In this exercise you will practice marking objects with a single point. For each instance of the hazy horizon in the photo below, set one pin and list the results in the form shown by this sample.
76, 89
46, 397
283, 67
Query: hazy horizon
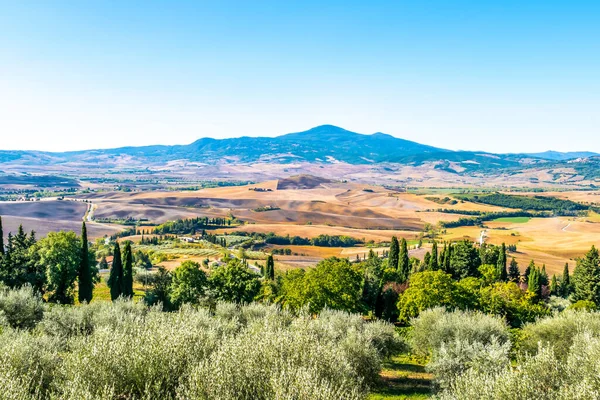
501, 78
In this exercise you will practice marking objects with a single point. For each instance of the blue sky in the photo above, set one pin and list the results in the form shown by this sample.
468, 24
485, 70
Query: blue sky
501, 76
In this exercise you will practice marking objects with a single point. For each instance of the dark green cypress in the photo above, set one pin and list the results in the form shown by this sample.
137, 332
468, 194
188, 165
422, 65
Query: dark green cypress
85, 284
403, 262
447, 258
565, 284
115, 279
514, 274
534, 283
270, 270
433, 260
554, 286
127, 289
502, 274
394, 253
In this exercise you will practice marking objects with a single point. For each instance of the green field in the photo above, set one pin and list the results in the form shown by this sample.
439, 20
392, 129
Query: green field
513, 220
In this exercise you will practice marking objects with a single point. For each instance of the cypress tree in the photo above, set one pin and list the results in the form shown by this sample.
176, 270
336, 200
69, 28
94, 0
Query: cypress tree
565, 284
554, 287
443, 257
127, 282
502, 263
393, 258
270, 270
1, 238
85, 284
544, 280
433, 260
514, 274
115, 279
403, 262
586, 277
447, 258
534, 284
528, 270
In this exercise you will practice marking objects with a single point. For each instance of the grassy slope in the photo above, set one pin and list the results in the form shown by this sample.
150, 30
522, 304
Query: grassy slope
403, 378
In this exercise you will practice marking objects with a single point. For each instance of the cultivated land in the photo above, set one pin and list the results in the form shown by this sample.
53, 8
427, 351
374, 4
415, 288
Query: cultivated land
308, 206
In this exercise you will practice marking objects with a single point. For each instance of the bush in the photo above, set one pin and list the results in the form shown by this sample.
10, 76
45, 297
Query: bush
558, 331
130, 351
453, 358
21, 308
541, 376
436, 328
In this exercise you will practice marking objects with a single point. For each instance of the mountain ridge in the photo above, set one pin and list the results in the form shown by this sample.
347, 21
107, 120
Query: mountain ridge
324, 143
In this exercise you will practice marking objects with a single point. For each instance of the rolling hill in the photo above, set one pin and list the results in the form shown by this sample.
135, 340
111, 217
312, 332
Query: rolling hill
326, 144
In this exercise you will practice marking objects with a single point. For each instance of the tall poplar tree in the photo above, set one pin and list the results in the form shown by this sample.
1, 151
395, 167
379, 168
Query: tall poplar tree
127, 282
86, 282
115, 279
403, 262
393, 257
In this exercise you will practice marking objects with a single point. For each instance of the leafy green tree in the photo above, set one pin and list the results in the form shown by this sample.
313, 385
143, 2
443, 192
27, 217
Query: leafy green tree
426, 289
489, 274
433, 260
565, 283
86, 270
234, 282
188, 285
60, 254
127, 289
394, 255
161, 292
404, 266
586, 277
502, 274
115, 279
506, 299
103, 264
514, 274
464, 260
334, 283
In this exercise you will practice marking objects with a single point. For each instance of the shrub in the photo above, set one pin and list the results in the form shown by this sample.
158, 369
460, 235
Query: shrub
436, 327
454, 358
123, 350
21, 308
558, 331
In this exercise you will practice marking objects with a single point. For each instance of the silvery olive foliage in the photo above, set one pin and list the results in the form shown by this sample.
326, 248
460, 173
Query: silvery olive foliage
124, 350
436, 328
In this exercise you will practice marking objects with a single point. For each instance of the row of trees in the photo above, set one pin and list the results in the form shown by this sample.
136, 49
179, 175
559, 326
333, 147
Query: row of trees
52, 266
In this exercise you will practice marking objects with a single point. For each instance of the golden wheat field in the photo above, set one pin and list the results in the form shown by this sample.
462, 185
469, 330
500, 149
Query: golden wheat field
309, 206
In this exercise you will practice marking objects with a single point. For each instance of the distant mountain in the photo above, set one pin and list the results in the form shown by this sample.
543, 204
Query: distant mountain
324, 144
558, 156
